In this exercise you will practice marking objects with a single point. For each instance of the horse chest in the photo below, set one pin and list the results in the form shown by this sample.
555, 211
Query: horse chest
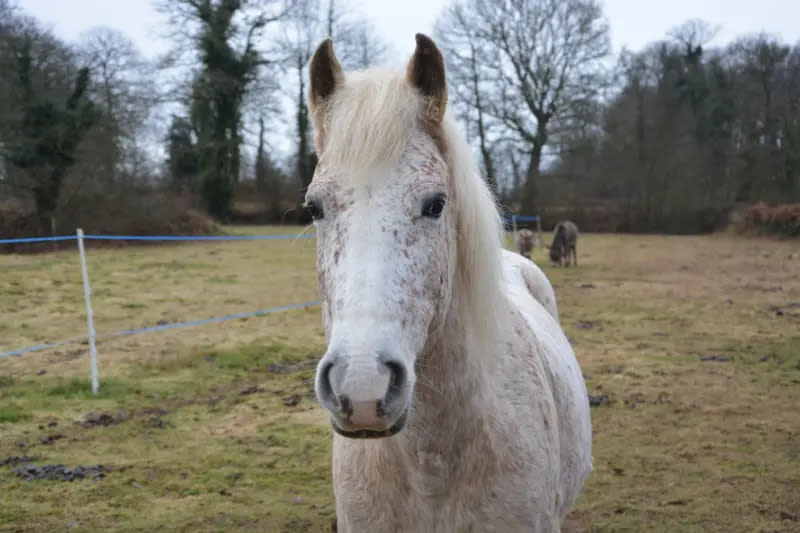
429, 491
462, 509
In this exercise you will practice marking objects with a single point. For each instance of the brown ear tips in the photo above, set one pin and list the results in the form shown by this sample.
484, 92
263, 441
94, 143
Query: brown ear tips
425, 44
426, 72
325, 72
326, 48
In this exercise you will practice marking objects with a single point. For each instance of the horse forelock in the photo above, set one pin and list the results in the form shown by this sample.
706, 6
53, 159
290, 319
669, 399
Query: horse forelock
369, 122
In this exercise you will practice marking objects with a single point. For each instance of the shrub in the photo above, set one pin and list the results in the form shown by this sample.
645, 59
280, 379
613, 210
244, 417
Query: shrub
761, 218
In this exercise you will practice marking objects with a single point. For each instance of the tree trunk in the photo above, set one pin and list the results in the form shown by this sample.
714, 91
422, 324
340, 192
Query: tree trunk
530, 197
331, 17
235, 155
304, 170
45, 197
530, 191
516, 178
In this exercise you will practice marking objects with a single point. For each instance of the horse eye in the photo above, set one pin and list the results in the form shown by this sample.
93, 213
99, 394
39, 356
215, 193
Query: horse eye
314, 210
432, 208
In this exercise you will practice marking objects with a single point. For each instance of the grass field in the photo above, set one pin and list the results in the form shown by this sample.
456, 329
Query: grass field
694, 341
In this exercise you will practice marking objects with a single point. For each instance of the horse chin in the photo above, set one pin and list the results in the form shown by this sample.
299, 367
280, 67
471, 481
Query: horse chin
373, 434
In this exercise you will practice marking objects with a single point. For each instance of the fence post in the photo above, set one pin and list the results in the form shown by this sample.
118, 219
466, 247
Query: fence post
514, 230
87, 293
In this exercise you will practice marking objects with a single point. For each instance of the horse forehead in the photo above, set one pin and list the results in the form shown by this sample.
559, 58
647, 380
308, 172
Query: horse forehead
415, 173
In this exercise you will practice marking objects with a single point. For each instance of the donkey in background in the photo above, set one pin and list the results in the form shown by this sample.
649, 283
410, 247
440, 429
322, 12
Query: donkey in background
526, 241
565, 241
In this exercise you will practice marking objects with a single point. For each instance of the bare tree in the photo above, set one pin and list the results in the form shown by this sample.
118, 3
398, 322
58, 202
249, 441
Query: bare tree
693, 33
125, 91
357, 46
456, 31
544, 60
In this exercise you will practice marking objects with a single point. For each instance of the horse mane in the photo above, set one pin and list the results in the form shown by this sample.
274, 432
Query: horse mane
480, 233
369, 121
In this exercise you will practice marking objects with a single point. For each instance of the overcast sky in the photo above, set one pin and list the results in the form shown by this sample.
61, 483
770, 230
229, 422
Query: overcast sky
633, 22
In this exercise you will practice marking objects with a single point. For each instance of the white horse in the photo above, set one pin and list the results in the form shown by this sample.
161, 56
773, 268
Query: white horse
456, 400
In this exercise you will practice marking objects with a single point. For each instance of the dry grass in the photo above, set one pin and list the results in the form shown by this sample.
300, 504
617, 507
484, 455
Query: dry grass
684, 445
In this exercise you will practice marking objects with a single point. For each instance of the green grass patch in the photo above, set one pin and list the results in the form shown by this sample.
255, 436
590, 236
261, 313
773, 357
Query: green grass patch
10, 414
81, 389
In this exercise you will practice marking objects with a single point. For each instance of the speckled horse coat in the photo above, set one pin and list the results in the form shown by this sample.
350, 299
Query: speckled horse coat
456, 401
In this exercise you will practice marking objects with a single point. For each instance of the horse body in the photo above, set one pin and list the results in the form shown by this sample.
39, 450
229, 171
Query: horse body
461, 464
565, 242
456, 400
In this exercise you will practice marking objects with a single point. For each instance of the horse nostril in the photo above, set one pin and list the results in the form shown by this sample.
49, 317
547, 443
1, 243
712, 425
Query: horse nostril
345, 406
325, 387
397, 378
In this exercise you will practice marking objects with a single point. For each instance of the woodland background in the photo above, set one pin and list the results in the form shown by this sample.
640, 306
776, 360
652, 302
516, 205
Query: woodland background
679, 137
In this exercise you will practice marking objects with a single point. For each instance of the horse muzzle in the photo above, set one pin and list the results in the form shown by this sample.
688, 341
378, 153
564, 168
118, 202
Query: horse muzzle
366, 396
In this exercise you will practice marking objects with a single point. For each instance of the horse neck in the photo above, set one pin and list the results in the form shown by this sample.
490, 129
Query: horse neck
453, 384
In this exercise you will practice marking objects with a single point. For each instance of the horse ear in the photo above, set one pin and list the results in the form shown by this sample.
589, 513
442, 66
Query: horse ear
426, 72
326, 76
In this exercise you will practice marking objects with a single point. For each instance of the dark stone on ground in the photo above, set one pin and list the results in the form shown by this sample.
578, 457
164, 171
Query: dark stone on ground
716, 358
291, 401
50, 439
103, 419
58, 472
275, 369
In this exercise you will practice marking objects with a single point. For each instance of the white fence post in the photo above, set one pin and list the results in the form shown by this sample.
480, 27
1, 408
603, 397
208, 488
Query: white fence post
87, 292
